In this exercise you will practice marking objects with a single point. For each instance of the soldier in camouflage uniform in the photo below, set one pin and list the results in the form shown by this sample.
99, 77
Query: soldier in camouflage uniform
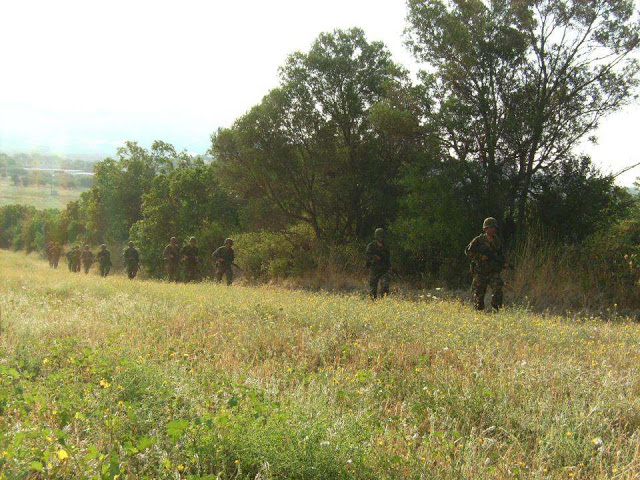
223, 258
378, 260
172, 259
191, 257
56, 251
48, 250
69, 256
487, 262
104, 259
132, 261
75, 259
86, 258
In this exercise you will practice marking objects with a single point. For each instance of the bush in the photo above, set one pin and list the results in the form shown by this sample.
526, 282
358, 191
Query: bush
268, 255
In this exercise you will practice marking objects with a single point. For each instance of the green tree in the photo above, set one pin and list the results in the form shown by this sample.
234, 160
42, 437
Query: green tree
183, 202
114, 202
558, 200
310, 147
519, 84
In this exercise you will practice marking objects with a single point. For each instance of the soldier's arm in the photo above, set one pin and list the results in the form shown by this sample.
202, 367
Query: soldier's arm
474, 250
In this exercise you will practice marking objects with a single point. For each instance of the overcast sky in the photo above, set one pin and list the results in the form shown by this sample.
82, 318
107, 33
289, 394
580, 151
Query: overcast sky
83, 76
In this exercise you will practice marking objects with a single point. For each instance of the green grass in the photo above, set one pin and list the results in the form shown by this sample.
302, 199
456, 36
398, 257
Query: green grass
151, 380
39, 197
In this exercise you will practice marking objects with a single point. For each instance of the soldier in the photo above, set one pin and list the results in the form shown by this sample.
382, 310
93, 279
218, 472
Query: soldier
75, 259
104, 258
69, 256
172, 259
132, 261
86, 257
487, 262
191, 256
56, 251
378, 260
48, 248
223, 258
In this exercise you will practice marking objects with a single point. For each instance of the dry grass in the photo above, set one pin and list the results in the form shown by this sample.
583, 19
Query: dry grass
153, 380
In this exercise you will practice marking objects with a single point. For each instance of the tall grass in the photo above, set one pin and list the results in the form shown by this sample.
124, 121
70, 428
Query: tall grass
109, 377
564, 278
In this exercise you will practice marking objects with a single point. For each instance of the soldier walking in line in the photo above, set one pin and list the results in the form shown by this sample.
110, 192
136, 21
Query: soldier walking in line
86, 258
172, 259
378, 260
75, 259
69, 256
487, 262
48, 250
223, 258
56, 251
104, 259
191, 256
132, 261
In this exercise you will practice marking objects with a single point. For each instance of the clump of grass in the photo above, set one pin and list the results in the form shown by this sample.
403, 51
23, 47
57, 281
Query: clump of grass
153, 380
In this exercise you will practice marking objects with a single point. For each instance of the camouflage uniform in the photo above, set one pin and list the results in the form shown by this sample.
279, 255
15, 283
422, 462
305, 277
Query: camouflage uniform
86, 258
75, 259
172, 261
191, 255
378, 260
69, 256
223, 260
486, 272
48, 250
132, 261
104, 259
56, 251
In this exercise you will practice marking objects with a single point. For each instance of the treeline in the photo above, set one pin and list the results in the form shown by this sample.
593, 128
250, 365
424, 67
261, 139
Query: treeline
349, 141
14, 168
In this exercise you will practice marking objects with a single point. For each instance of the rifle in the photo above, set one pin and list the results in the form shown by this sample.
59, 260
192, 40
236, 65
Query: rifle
498, 259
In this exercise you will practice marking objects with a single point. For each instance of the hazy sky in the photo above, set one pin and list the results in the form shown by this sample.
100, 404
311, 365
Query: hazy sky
82, 76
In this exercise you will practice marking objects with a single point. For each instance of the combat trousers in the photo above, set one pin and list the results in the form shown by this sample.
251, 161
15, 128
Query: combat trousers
226, 272
479, 290
172, 271
376, 277
104, 270
132, 271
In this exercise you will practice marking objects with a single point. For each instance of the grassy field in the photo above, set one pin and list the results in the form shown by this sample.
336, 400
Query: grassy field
130, 379
39, 197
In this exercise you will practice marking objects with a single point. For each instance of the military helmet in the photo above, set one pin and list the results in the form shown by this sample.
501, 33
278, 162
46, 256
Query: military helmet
173, 239
489, 222
229, 241
379, 234
131, 244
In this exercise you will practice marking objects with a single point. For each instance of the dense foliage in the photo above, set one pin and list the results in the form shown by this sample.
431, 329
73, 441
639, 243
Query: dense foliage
348, 142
